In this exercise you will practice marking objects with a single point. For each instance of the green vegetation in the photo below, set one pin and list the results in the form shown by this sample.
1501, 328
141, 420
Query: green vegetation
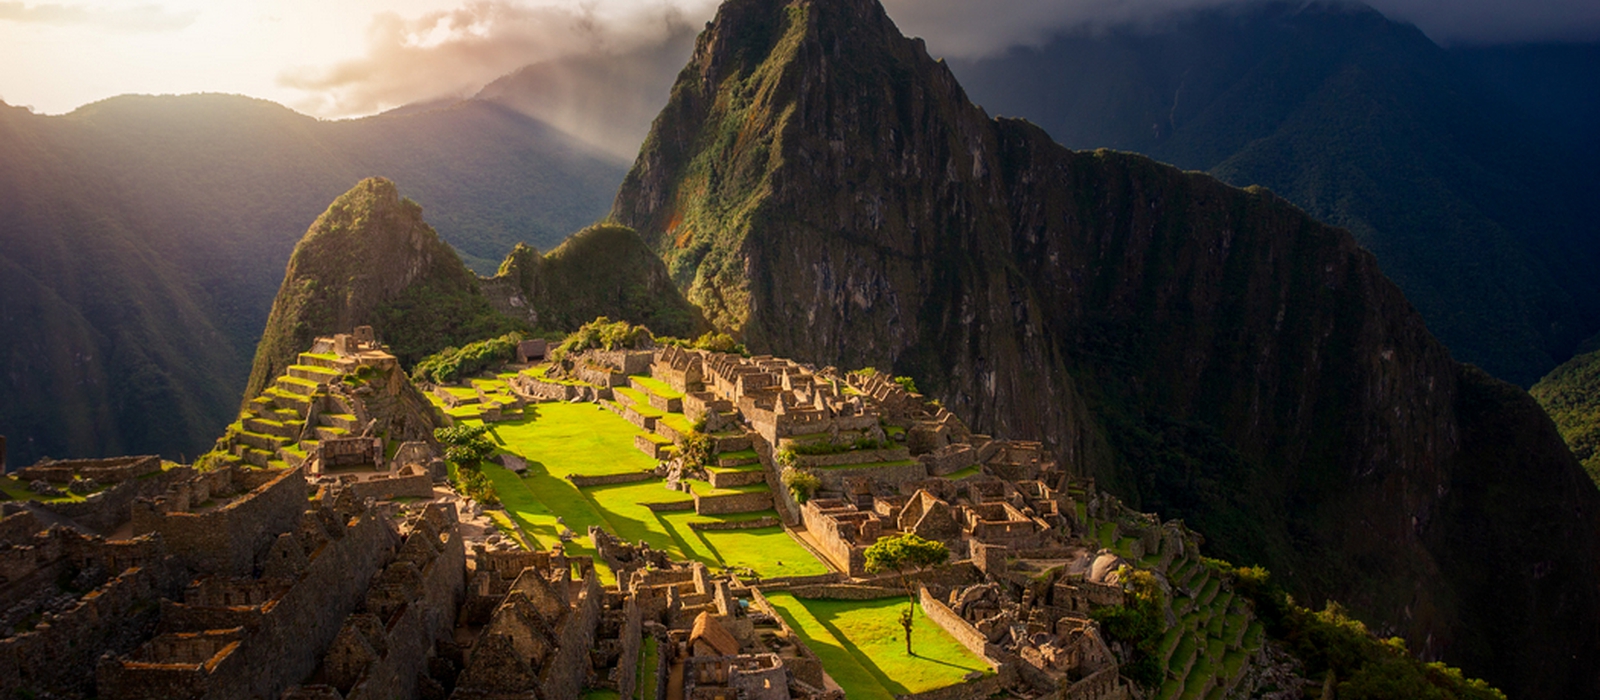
698, 449
558, 439
649, 659
714, 341
451, 364
604, 334
856, 640
603, 270
801, 483
1334, 645
465, 449
1138, 623
1571, 395
903, 554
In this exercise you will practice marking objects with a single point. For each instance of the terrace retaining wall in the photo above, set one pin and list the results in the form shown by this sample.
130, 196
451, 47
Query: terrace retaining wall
732, 503
608, 479
892, 454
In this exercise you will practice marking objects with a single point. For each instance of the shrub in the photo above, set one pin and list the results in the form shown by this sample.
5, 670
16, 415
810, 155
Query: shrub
908, 384
465, 446
451, 364
697, 449
802, 483
784, 458
603, 333
1138, 623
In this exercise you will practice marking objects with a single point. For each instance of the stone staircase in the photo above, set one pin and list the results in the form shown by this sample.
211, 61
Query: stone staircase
269, 430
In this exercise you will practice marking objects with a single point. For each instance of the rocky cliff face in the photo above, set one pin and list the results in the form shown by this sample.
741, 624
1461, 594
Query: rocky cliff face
822, 186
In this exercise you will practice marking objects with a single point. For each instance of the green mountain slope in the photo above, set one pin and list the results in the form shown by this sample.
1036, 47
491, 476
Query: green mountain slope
1470, 206
371, 259
162, 224
603, 270
822, 186
1571, 395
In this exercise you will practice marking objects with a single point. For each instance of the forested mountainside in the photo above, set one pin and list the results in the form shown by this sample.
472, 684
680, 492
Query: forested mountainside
822, 186
371, 259
1571, 395
144, 238
1466, 172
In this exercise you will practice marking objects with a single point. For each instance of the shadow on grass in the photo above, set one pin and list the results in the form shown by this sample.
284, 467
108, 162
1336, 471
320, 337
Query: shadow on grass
861, 657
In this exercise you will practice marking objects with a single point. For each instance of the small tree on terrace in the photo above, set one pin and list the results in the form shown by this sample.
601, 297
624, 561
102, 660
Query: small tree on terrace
904, 554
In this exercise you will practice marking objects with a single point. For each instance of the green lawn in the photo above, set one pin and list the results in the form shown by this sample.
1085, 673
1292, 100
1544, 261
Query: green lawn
573, 438
565, 439
862, 646
960, 474
657, 387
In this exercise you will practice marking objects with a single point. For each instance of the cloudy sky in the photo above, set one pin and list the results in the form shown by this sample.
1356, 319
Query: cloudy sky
338, 58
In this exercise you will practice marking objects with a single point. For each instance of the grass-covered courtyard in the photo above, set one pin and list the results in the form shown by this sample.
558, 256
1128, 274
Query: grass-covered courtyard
557, 439
862, 646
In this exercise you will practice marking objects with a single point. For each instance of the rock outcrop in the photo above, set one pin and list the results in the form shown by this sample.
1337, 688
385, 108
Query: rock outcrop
822, 186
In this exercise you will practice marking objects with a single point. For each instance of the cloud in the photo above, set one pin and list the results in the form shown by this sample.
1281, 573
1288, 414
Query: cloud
143, 18
970, 29
454, 52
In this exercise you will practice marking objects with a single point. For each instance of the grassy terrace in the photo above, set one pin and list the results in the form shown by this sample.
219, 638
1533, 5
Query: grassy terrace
656, 386
15, 489
861, 645
558, 439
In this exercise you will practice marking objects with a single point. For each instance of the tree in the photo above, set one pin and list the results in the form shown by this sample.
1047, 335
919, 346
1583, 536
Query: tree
802, 483
904, 554
465, 445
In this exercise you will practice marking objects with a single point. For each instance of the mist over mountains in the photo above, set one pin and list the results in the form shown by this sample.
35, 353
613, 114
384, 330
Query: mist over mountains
145, 237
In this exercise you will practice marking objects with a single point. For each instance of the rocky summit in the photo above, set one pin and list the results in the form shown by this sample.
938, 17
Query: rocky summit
821, 185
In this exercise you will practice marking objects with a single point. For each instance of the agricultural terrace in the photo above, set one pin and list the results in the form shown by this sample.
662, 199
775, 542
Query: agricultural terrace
560, 439
862, 646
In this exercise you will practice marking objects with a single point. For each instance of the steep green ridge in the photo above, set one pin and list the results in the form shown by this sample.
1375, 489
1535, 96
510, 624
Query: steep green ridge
1473, 207
158, 228
823, 187
1571, 395
371, 259
603, 270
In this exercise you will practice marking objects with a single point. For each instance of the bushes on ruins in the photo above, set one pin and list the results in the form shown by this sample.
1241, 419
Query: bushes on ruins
1333, 644
465, 449
801, 482
451, 364
465, 445
784, 458
1139, 624
698, 450
711, 340
908, 384
604, 334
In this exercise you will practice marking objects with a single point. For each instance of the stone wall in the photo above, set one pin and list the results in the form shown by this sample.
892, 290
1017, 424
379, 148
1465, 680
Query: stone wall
625, 478
846, 591
834, 479
765, 521
950, 459
567, 670
732, 503
632, 638
107, 510
415, 486
228, 539
964, 633
106, 471
428, 613
60, 653
893, 454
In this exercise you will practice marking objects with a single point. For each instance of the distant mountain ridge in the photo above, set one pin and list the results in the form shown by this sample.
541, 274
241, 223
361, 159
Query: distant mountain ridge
144, 238
822, 186
1471, 193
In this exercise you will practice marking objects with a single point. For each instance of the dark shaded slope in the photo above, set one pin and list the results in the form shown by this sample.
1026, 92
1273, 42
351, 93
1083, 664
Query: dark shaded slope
820, 184
1469, 205
164, 222
1571, 395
